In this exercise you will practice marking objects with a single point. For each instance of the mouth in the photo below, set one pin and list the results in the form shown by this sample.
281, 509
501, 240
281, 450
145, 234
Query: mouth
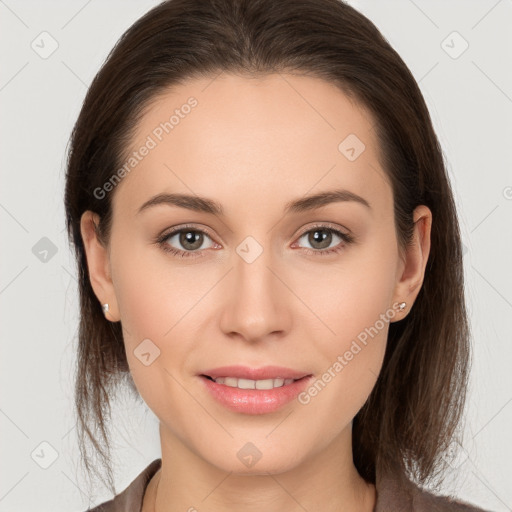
262, 384
254, 396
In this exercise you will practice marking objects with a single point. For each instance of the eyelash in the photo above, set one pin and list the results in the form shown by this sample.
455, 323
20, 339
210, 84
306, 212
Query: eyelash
346, 238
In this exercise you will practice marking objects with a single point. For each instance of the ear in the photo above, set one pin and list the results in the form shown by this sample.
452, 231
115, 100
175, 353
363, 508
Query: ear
98, 264
411, 268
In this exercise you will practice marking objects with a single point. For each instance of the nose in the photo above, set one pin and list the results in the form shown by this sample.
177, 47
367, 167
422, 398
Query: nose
256, 302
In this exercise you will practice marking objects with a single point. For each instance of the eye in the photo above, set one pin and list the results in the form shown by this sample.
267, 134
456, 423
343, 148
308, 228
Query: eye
189, 240
321, 237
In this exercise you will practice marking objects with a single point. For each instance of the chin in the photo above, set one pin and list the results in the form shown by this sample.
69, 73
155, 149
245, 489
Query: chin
248, 461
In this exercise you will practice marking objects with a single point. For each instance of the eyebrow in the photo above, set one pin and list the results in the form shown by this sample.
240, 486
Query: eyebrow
205, 205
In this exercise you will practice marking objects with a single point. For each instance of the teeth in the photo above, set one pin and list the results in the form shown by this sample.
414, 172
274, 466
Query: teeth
253, 384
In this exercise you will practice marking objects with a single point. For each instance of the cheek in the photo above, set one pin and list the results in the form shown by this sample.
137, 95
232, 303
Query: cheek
160, 305
152, 313
354, 304
139, 297
152, 293
350, 296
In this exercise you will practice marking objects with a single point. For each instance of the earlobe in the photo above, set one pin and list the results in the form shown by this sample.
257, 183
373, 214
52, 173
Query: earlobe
98, 264
415, 260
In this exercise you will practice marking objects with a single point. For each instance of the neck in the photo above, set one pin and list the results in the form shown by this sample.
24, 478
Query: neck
326, 481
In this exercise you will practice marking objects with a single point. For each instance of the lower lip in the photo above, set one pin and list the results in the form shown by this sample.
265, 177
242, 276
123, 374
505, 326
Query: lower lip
255, 401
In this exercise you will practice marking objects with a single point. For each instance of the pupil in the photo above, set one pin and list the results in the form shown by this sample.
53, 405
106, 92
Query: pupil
323, 239
191, 239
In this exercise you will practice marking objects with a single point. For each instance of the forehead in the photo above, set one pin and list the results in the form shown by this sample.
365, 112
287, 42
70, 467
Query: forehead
277, 136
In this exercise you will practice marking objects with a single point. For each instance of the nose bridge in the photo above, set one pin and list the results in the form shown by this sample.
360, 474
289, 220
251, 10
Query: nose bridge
251, 270
254, 305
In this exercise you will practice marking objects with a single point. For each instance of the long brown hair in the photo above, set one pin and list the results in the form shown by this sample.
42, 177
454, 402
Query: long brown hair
417, 404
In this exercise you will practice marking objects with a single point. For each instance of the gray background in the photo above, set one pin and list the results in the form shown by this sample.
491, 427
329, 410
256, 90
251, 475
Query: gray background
469, 95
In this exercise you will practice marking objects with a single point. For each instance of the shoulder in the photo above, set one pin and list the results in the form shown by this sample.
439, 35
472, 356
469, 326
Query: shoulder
427, 501
130, 500
399, 495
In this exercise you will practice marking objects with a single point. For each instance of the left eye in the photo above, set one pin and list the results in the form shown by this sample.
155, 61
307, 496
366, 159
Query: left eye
320, 239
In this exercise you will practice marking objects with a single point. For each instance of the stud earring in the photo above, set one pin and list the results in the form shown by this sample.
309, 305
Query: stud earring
105, 308
401, 306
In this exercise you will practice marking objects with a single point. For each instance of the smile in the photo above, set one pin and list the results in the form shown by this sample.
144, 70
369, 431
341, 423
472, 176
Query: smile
234, 382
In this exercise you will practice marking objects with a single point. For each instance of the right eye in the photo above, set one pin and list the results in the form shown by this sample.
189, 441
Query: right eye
190, 239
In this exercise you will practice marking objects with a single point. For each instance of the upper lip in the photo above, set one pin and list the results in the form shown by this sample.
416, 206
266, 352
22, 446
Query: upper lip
245, 372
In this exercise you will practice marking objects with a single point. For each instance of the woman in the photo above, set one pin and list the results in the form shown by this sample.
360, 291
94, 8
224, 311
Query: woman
269, 257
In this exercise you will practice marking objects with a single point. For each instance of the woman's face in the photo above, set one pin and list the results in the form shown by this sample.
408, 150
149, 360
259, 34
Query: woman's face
259, 283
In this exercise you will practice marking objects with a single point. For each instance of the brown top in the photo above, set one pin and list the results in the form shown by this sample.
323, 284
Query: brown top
391, 497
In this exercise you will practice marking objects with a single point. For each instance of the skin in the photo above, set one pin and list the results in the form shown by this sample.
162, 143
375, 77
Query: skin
253, 145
